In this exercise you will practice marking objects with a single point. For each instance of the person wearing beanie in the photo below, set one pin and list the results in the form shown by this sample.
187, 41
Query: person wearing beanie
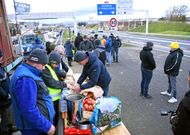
38, 56
147, 66
115, 48
171, 69
80, 56
96, 41
68, 51
86, 44
77, 41
32, 104
53, 82
94, 69
108, 49
38, 44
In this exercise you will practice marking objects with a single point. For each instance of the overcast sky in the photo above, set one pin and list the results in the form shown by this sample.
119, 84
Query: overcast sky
156, 8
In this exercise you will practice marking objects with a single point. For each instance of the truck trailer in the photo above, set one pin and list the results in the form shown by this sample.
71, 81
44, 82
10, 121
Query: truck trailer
11, 58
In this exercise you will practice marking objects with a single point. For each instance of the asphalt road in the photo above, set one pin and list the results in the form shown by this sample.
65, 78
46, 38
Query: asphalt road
140, 38
142, 116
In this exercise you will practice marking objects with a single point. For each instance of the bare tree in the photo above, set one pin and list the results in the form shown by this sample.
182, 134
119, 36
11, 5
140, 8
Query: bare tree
177, 13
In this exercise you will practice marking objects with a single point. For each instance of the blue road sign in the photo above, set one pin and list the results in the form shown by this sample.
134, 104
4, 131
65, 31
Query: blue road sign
106, 9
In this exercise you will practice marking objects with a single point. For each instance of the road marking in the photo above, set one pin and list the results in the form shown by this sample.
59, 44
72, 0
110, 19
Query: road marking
158, 40
166, 49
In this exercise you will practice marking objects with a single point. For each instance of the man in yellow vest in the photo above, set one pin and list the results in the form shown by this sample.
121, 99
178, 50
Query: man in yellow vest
52, 81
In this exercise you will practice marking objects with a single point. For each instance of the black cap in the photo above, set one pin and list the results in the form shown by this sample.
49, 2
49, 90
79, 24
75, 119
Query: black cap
80, 56
149, 44
38, 56
54, 57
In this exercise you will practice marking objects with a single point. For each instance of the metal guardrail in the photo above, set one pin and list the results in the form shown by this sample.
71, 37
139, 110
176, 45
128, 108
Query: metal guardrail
12, 65
156, 47
158, 34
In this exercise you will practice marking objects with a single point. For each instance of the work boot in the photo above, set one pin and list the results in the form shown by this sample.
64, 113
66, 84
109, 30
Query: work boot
148, 96
141, 94
70, 65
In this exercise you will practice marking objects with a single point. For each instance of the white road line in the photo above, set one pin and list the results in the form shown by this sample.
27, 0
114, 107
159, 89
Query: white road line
158, 40
157, 47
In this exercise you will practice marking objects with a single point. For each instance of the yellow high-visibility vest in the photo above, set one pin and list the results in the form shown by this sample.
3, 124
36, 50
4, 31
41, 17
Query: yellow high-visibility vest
54, 93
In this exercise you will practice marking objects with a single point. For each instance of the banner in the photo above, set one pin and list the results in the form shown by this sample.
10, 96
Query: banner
21, 8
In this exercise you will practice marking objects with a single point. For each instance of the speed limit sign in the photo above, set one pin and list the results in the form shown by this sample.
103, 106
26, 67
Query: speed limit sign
113, 22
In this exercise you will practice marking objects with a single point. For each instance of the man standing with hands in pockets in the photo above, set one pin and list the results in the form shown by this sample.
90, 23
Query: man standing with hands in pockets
171, 68
147, 66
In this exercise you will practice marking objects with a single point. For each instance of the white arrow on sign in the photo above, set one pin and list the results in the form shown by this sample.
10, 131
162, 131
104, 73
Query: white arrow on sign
100, 12
112, 12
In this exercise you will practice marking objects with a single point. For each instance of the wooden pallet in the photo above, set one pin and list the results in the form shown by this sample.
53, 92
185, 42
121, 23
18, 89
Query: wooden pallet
119, 130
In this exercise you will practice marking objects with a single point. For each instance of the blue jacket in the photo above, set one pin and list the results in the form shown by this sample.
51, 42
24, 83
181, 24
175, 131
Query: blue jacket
108, 45
96, 72
38, 44
33, 106
68, 49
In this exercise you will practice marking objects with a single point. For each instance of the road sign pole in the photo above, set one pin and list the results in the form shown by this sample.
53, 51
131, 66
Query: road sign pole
75, 26
147, 22
16, 17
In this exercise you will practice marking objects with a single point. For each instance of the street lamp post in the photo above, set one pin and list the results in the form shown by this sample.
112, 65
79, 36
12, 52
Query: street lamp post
147, 18
16, 17
147, 21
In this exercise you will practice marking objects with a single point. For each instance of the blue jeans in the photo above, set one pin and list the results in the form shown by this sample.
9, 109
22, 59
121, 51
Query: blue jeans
172, 85
115, 55
146, 78
106, 90
108, 57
